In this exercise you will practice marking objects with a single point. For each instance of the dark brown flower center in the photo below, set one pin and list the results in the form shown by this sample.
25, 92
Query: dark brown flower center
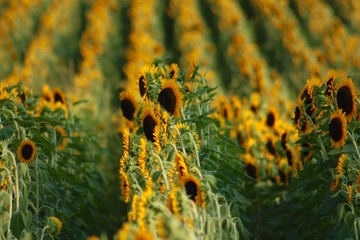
167, 100
27, 151
270, 119
270, 147
149, 125
191, 190
251, 170
58, 98
344, 100
142, 85
128, 108
289, 157
335, 129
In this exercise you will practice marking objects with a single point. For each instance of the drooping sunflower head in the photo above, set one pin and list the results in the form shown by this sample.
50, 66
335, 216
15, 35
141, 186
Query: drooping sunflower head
337, 129
128, 105
26, 151
54, 225
346, 97
149, 120
181, 165
170, 97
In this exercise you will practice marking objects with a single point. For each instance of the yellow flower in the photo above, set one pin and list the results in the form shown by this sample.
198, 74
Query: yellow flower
340, 165
26, 151
337, 129
170, 97
345, 97
128, 105
55, 225
149, 122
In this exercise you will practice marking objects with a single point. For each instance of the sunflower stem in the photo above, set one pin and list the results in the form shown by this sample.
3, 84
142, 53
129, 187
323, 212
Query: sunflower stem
355, 145
323, 150
195, 147
17, 190
10, 204
181, 141
37, 190
43, 232
163, 171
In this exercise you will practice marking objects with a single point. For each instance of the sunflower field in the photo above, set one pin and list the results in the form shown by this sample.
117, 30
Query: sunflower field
193, 119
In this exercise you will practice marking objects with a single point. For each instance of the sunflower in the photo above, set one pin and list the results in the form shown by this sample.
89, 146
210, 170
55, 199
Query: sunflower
271, 117
345, 97
173, 70
157, 138
55, 225
340, 165
181, 165
149, 122
143, 82
26, 151
126, 140
337, 129
128, 105
192, 188
4, 184
330, 83
170, 97
142, 156
61, 135
334, 185
46, 93
59, 96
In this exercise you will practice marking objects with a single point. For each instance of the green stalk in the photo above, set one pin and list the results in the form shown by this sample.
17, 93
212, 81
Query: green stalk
163, 171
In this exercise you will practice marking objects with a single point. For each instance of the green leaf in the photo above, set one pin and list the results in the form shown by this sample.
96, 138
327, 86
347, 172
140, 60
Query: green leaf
23, 204
340, 211
17, 225
349, 219
156, 175
6, 133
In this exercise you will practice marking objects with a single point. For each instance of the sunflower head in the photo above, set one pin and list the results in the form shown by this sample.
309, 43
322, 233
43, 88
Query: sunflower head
26, 151
149, 121
337, 129
47, 94
173, 71
143, 85
55, 225
192, 188
271, 117
170, 97
181, 165
128, 105
346, 96
59, 96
